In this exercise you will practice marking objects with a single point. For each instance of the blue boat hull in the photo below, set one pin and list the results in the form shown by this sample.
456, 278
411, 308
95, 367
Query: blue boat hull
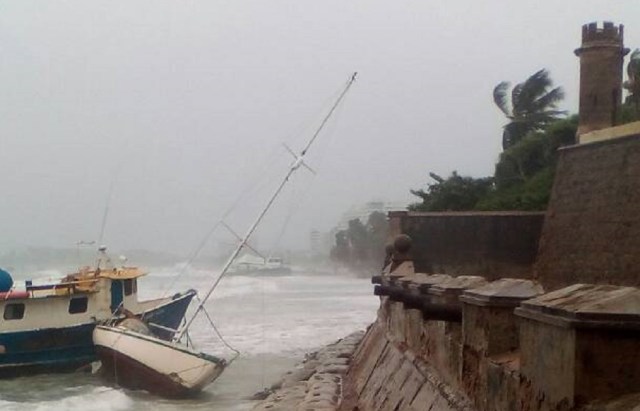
70, 348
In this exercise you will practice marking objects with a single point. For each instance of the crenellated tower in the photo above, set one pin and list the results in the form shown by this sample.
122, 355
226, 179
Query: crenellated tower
601, 63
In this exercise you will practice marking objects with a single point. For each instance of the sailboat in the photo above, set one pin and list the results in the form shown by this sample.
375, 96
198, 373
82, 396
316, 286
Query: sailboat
135, 358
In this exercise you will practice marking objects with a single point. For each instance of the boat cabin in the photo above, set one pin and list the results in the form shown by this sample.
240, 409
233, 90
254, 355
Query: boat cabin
78, 298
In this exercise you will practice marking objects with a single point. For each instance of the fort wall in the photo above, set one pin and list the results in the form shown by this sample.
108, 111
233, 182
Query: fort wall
592, 230
492, 244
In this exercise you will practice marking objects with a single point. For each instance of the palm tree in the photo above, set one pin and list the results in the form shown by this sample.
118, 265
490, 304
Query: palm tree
533, 106
633, 83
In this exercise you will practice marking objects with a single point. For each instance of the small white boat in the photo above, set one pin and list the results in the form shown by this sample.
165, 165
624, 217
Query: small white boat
249, 264
164, 368
134, 358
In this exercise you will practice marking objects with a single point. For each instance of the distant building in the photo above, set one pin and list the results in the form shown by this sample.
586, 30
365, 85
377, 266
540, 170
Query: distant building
314, 241
362, 212
320, 242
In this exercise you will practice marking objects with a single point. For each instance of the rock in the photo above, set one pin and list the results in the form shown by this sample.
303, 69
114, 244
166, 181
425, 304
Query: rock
261, 395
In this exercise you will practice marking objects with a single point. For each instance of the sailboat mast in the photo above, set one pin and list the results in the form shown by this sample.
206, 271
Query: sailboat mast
299, 160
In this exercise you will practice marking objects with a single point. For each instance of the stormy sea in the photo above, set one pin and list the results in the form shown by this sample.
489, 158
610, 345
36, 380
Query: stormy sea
273, 321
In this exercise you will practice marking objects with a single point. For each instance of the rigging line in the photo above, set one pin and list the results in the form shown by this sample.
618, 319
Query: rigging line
298, 201
248, 189
326, 118
239, 238
290, 213
263, 328
116, 174
226, 344
192, 257
299, 160
308, 127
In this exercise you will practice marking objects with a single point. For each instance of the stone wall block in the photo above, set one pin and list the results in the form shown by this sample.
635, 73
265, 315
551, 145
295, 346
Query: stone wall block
490, 329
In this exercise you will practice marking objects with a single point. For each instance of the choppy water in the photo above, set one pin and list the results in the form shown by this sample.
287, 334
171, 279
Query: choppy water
273, 321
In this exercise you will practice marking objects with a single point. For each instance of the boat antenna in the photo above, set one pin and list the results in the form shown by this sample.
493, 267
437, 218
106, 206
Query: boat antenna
298, 161
109, 198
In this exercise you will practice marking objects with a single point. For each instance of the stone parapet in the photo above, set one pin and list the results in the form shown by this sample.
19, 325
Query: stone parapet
491, 341
511, 348
580, 344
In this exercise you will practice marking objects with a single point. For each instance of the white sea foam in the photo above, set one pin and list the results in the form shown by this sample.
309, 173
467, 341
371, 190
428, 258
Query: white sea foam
292, 314
96, 399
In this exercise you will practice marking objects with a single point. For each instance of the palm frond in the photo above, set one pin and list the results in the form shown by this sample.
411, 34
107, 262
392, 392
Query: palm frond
515, 98
533, 88
633, 72
500, 97
548, 100
436, 177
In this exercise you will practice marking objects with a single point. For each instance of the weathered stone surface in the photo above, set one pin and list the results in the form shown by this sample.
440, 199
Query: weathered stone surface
625, 403
399, 380
601, 59
449, 291
592, 230
490, 329
586, 306
504, 292
579, 344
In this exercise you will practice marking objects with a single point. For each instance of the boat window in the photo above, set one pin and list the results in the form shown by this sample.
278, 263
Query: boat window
128, 287
13, 311
78, 305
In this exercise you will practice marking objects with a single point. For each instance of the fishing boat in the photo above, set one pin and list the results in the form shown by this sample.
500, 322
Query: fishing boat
134, 358
47, 326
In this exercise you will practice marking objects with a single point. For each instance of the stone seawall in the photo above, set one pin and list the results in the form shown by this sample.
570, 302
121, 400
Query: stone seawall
443, 343
386, 375
316, 384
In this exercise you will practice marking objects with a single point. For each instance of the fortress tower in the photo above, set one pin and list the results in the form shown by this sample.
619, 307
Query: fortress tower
601, 60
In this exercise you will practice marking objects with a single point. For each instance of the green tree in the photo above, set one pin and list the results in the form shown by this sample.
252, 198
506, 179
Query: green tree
524, 173
340, 251
532, 106
632, 85
358, 239
361, 246
455, 193
534, 153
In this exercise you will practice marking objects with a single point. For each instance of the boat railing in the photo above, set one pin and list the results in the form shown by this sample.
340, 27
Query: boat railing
162, 327
64, 287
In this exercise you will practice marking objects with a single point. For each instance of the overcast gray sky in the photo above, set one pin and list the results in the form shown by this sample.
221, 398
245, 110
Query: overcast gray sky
190, 101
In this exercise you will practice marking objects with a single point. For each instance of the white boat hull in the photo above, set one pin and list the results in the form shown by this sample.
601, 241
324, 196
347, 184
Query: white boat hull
138, 361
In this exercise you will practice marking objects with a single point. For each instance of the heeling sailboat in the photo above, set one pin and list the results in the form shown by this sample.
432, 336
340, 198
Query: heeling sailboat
133, 357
